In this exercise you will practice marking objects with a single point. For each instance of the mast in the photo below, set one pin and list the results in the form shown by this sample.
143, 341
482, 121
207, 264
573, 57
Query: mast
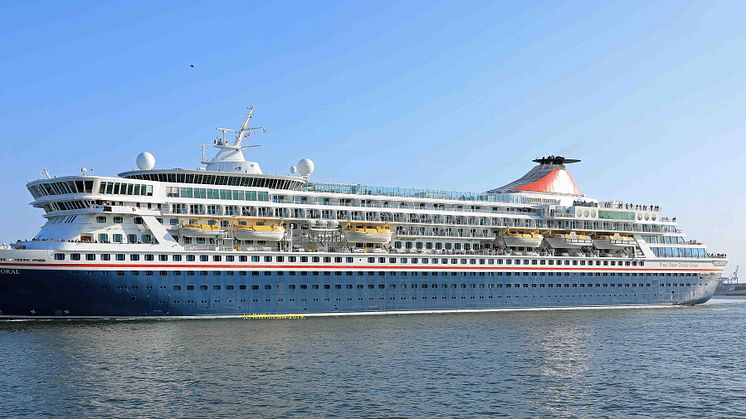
245, 126
230, 155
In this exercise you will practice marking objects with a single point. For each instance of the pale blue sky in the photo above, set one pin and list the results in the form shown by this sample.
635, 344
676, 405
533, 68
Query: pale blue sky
450, 95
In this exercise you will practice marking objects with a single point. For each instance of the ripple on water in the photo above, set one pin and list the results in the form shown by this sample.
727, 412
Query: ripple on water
683, 362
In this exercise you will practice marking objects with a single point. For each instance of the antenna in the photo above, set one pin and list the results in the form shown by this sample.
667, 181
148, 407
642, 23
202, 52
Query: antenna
45, 173
204, 153
223, 131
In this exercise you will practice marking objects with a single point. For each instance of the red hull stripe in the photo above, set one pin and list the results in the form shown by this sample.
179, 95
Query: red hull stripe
230, 265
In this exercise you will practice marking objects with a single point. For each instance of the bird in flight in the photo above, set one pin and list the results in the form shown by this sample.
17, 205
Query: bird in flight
192, 66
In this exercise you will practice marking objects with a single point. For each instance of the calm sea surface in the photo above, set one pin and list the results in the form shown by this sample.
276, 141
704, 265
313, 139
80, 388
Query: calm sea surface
675, 362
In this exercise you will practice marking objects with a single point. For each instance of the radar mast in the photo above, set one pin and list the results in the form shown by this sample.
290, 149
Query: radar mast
230, 155
246, 130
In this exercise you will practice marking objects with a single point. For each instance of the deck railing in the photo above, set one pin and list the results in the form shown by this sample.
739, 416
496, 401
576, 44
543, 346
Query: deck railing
359, 189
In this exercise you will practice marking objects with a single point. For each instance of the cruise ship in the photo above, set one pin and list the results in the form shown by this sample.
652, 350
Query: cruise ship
227, 240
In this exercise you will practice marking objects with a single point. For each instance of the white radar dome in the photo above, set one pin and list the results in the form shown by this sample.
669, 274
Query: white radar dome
145, 161
305, 167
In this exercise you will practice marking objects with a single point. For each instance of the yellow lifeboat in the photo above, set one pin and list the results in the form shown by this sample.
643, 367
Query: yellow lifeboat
613, 242
198, 230
272, 232
569, 240
367, 233
512, 239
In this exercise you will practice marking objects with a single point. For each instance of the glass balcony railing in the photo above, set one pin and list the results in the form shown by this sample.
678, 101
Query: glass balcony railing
359, 189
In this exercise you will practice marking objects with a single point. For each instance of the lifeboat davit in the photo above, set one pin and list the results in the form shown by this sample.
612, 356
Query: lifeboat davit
367, 234
613, 242
522, 239
259, 232
321, 226
569, 241
198, 230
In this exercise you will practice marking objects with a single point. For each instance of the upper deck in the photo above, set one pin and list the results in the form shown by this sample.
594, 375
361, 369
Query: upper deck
360, 189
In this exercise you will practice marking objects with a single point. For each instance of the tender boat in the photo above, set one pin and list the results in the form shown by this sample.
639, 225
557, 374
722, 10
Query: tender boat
259, 232
367, 233
198, 230
613, 242
522, 239
570, 240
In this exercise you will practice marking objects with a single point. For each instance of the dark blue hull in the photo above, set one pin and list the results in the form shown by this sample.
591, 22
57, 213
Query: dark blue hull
80, 293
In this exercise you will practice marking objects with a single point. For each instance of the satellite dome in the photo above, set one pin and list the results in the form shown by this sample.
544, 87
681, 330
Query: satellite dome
145, 161
305, 167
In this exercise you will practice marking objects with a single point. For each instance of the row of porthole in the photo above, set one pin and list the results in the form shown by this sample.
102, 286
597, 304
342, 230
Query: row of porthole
647, 216
593, 214
414, 286
577, 296
586, 213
